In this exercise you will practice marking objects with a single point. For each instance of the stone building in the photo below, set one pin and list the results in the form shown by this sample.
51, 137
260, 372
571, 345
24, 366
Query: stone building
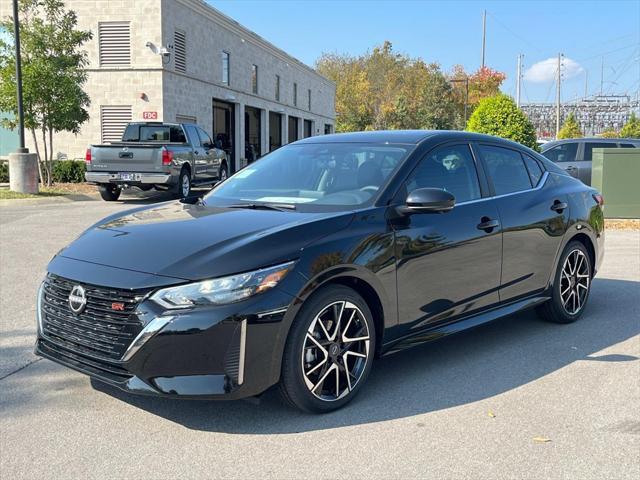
184, 61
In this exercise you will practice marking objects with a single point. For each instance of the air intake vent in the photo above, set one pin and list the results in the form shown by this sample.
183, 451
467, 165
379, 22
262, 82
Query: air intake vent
115, 43
180, 49
113, 120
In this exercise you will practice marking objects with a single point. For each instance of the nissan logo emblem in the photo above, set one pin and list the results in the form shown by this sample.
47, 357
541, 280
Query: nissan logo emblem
77, 299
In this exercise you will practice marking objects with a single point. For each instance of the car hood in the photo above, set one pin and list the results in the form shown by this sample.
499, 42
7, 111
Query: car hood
194, 242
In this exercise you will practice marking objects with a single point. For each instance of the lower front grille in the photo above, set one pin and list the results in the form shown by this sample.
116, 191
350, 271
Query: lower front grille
102, 331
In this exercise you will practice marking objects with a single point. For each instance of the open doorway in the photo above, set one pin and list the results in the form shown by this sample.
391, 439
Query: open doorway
223, 130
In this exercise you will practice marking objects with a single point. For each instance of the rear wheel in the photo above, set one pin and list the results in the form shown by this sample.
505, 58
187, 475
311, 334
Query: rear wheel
223, 173
183, 188
329, 351
571, 286
109, 193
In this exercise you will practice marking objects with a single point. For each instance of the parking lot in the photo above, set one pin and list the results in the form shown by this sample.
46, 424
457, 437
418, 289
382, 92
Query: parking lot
518, 398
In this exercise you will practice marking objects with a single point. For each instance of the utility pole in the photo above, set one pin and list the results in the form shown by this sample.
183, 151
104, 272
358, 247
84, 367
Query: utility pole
602, 77
586, 83
558, 95
484, 34
16, 32
519, 79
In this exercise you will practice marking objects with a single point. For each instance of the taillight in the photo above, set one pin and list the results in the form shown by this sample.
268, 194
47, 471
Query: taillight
598, 198
87, 156
167, 156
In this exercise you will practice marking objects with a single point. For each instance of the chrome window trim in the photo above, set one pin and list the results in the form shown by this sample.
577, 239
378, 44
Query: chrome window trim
541, 184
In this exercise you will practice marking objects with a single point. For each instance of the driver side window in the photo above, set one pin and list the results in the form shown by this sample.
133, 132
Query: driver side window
450, 168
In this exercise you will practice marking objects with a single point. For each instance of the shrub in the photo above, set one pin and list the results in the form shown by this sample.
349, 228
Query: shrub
68, 171
500, 116
4, 172
631, 129
610, 133
570, 128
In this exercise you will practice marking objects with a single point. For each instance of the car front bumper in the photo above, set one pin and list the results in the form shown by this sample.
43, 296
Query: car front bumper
137, 178
223, 352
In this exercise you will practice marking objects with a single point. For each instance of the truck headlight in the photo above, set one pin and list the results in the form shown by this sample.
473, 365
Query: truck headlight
220, 291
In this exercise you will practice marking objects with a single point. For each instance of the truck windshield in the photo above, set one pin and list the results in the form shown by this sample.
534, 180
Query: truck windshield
340, 175
154, 133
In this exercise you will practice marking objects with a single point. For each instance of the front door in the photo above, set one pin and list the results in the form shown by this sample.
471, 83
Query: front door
199, 153
448, 264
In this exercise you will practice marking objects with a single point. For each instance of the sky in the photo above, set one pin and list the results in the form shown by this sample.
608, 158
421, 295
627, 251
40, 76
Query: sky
450, 33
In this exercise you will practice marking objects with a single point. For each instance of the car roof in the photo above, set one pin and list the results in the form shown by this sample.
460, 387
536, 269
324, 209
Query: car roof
404, 137
553, 143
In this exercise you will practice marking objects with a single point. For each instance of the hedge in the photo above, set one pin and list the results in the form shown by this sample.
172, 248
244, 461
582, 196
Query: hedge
68, 171
4, 172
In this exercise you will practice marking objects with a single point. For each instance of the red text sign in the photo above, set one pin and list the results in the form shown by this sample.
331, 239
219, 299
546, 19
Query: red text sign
150, 115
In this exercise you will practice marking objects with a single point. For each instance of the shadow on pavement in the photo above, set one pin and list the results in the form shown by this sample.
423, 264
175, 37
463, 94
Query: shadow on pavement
462, 369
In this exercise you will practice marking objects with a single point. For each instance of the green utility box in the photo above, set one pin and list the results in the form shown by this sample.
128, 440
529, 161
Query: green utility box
616, 173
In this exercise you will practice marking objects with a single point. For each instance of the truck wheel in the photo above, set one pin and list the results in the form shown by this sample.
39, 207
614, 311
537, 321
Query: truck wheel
183, 188
109, 193
222, 176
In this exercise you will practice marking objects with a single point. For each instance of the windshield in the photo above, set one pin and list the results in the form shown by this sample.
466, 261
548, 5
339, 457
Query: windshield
343, 175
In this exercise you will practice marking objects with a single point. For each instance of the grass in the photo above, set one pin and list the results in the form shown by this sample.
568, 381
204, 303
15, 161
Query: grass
56, 190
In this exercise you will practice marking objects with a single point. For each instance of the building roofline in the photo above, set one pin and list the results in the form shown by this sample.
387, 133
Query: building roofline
202, 7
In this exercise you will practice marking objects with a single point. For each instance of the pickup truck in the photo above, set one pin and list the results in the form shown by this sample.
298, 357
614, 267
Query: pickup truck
165, 156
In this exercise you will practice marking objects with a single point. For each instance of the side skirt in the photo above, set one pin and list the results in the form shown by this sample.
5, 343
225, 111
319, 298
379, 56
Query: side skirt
440, 331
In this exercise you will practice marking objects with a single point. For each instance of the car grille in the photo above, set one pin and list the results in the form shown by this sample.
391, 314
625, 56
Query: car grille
99, 333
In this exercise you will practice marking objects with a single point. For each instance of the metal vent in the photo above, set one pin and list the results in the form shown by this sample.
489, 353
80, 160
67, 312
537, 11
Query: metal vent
113, 120
115, 43
180, 50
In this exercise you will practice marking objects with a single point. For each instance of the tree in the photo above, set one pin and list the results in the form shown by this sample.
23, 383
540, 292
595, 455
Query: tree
631, 129
483, 83
53, 75
570, 128
610, 133
383, 89
499, 116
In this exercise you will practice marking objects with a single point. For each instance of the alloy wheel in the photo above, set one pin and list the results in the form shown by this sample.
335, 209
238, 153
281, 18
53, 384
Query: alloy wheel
335, 351
575, 281
186, 185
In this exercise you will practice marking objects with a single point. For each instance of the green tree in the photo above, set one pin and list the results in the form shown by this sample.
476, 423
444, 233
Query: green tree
53, 74
483, 83
499, 116
570, 128
631, 129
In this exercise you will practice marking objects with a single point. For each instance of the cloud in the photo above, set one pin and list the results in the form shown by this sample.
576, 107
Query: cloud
546, 70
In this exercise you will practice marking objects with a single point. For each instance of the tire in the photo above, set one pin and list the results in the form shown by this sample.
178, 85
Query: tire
109, 193
223, 174
571, 286
183, 187
310, 366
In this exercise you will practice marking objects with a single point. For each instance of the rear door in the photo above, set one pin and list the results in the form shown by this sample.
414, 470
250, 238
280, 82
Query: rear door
200, 162
534, 213
448, 264
584, 167
567, 155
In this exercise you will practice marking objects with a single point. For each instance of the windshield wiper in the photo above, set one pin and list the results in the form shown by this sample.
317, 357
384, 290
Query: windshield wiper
282, 207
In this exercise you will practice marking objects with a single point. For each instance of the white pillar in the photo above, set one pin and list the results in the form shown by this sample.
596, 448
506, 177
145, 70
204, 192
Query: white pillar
285, 128
264, 131
239, 134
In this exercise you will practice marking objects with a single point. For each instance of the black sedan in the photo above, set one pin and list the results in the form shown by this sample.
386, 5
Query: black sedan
307, 264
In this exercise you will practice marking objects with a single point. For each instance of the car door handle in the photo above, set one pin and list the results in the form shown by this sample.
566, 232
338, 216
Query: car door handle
487, 224
571, 168
196, 152
559, 206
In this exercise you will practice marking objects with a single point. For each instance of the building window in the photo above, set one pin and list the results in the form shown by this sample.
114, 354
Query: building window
308, 128
114, 43
254, 79
225, 68
295, 94
328, 128
309, 99
113, 121
180, 51
277, 88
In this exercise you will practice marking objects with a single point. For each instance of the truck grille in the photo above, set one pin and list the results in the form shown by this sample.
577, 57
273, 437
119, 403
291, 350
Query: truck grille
99, 332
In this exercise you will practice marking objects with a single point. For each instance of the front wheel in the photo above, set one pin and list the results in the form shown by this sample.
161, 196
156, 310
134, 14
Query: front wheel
329, 351
183, 188
223, 174
571, 286
109, 193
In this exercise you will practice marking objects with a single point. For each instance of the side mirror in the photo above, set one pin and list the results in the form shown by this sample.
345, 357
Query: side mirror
428, 200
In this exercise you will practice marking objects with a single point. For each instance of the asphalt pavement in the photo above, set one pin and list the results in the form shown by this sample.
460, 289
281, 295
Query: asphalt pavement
518, 398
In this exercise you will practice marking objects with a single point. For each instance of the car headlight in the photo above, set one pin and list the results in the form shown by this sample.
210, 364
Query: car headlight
220, 291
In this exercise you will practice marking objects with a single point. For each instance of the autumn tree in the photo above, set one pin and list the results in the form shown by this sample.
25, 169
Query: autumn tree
631, 129
383, 89
500, 116
570, 128
53, 75
483, 83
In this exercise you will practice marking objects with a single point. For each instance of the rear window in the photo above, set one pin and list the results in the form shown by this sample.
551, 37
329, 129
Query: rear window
535, 172
506, 169
589, 146
154, 133
627, 145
